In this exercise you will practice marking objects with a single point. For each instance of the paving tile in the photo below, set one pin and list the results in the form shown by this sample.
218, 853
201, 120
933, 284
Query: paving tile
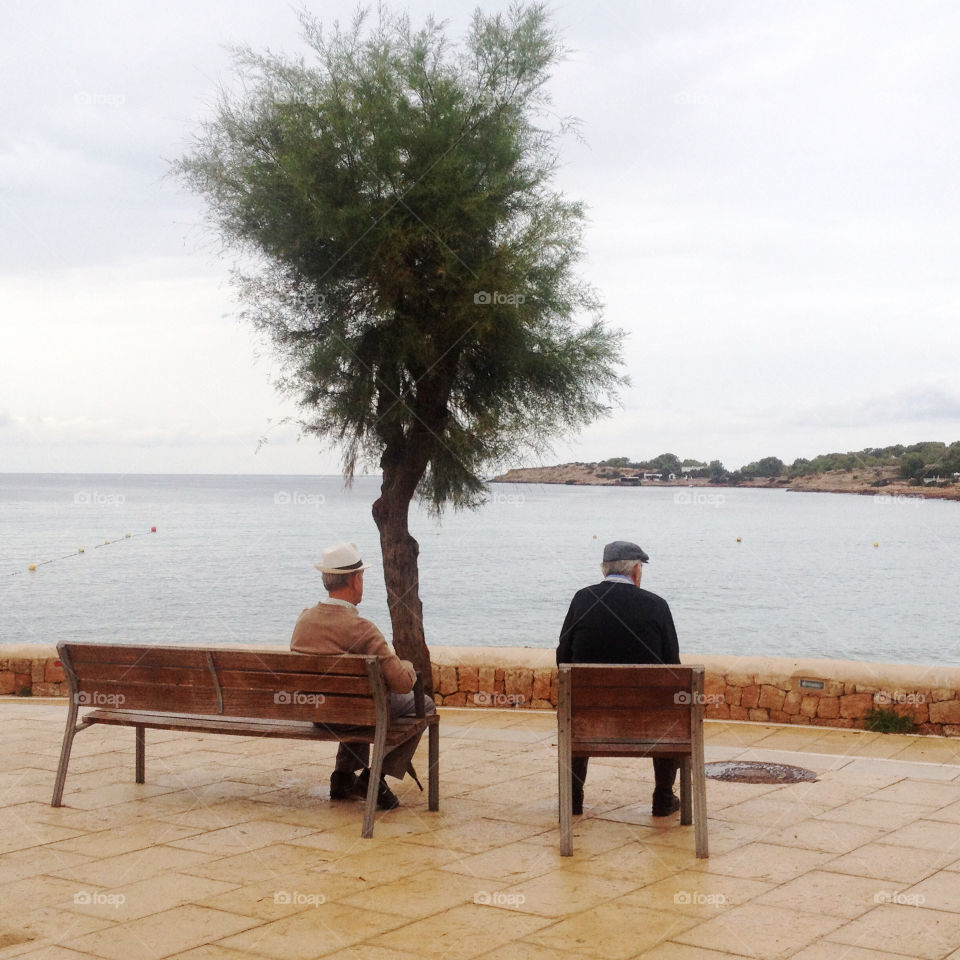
284, 895
831, 894
313, 933
885, 861
770, 933
463, 932
649, 861
22, 834
30, 863
920, 791
683, 951
478, 835
778, 812
364, 951
44, 927
915, 932
130, 867
212, 951
376, 866
240, 837
826, 950
613, 931
695, 894
878, 813
831, 836
510, 863
265, 863
132, 901
928, 835
764, 861
939, 892
162, 934
117, 840
552, 894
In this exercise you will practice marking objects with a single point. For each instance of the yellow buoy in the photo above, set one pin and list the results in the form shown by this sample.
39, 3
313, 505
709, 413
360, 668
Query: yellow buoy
106, 543
738, 539
80, 550
875, 543
32, 566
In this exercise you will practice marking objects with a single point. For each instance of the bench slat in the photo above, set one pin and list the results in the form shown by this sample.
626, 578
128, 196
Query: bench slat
595, 675
299, 705
259, 660
292, 680
171, 697
143, 656
136, 673
672, 698
598, 724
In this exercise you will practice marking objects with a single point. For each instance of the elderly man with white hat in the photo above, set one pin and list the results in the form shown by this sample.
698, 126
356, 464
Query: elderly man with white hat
335, 626
616, 621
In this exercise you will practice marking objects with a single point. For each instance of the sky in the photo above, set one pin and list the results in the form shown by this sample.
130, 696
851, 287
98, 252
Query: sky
774, 220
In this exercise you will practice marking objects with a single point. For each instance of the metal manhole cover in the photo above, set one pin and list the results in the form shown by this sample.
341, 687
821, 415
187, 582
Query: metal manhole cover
751, 771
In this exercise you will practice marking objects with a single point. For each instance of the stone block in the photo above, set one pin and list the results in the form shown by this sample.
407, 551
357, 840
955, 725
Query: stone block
951, 730
543, 705
943, 693
49, 689
714, 686
797, 718
717, 711
554, 688
435, 676
468, 679
22, 680
945, 711
53, 672
37, 670
731, 695
498, 680
778, 716
739, 713
855, 705
808, 705
828, 708
778, 681
917, 712
791, 703
8, 682
21, 665
541, 683
750, 696
740, 679
456, 700
864, 688
929, 730
771, 698
518, 683
486, 680
448, 681
758, 714
843, 722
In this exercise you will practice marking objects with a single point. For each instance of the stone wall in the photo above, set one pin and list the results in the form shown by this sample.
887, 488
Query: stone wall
825, 693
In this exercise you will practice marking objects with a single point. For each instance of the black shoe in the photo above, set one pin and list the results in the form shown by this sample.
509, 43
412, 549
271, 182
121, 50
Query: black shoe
386, 798
344, 785
663, 806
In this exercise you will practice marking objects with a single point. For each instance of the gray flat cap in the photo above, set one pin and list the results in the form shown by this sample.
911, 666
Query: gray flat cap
623, 550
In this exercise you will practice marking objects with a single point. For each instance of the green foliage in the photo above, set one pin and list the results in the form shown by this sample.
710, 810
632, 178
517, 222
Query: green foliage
767, 467
912, 465
717, 471
417, 274
887, 721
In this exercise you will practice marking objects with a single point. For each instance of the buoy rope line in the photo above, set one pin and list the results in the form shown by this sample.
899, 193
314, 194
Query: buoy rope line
81, 550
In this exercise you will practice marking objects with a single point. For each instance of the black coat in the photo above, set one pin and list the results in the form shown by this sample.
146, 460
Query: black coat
616, 622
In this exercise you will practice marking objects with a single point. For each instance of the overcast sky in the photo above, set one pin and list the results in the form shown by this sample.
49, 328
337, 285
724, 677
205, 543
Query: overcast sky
774, 209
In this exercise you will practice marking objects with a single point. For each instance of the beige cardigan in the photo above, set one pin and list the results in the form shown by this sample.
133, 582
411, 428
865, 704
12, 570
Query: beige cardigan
330, 628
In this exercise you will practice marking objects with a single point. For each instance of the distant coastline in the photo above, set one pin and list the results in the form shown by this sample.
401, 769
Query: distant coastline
877, 481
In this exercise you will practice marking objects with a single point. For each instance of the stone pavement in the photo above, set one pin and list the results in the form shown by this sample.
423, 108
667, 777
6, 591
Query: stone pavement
232, 849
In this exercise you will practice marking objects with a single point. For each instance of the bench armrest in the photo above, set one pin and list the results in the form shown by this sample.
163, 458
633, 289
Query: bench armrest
418, 702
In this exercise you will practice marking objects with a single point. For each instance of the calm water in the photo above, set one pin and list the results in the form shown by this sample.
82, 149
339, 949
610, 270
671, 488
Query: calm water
232, 562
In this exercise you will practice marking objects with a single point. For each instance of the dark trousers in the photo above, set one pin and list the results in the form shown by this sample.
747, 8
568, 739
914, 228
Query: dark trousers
356, 756
664, 774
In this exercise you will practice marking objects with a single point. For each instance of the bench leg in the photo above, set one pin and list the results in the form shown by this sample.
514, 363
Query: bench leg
141, 754
700, 809
686, 811
67, 746
373, 788
433, 787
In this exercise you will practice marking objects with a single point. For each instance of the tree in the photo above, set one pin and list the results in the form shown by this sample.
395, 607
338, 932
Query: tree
416, 269
718, 472
767, 467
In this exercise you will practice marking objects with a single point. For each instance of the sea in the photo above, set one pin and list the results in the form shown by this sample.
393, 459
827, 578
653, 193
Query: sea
745, 571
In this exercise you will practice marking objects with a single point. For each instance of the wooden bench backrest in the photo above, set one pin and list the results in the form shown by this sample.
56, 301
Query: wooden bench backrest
270, 685
655, 704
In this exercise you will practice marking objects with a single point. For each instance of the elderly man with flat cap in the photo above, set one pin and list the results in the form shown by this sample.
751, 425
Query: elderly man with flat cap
615, 621
335, 626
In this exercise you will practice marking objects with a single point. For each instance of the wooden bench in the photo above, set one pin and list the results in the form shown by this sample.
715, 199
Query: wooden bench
612, 710
248, 693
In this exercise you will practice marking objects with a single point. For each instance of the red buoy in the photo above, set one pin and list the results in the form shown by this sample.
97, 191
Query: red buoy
153, 529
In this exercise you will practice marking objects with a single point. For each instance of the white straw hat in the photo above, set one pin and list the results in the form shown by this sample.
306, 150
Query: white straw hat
343, 558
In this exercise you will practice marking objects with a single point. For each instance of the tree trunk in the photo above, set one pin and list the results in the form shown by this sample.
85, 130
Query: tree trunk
400, 571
